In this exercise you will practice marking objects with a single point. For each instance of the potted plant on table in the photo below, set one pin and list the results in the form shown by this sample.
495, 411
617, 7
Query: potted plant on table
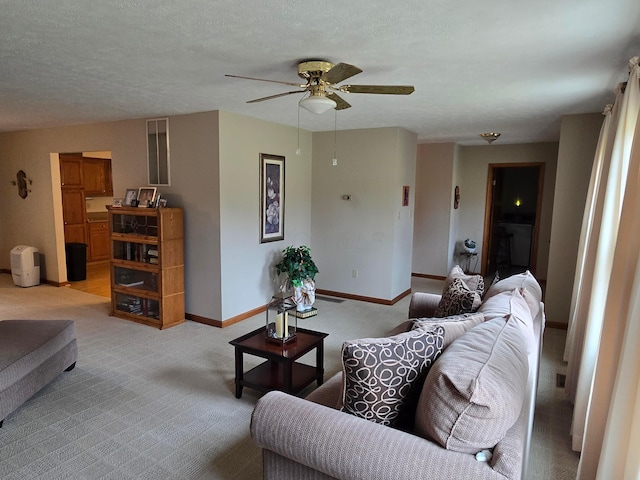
301, 271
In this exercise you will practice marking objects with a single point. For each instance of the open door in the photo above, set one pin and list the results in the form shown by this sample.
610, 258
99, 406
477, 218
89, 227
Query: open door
512, 218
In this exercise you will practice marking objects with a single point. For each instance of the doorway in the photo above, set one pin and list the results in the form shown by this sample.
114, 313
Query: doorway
512, 218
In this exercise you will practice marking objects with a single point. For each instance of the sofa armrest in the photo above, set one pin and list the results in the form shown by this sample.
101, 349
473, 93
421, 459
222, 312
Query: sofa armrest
350, 448
423, 304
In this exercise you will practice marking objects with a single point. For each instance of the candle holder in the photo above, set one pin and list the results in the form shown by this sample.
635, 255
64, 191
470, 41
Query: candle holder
281, 321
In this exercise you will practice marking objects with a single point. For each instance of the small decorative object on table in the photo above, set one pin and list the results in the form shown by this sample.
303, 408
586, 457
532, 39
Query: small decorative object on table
281, 323
301, 271
469, 246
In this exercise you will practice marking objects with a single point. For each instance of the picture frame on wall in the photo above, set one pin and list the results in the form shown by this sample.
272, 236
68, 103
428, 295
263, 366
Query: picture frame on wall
146, 196
405, 195
130, 195
271, 197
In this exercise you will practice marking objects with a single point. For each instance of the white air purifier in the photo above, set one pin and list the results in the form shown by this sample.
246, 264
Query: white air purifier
25, 266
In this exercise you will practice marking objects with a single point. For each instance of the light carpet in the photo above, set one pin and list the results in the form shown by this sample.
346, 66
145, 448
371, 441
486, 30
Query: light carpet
144, 403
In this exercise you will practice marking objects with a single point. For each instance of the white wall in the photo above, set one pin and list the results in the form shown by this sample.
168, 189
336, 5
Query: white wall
247, 273
435, 181
361, 234
36, 220
578, 141
195, 179
474, 168
439, 228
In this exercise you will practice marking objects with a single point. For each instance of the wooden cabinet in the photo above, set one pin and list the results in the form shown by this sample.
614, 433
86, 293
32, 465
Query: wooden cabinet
74, 215
99, 245
96, 173
71, 171
147, 265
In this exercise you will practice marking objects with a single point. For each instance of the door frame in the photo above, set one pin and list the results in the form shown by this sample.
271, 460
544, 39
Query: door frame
488, 217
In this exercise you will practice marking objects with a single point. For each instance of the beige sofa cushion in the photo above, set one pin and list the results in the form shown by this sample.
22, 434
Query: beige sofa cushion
383, 377
526, 281
454, 326
474, 393
512, 303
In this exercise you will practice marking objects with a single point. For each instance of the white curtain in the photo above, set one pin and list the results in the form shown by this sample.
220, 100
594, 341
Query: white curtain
589, 234
601, 347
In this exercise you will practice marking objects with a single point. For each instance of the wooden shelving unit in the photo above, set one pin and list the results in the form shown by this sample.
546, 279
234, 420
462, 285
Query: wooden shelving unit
147, 265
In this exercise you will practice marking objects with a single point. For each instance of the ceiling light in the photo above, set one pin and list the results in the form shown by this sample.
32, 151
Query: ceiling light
490, 137
317, 104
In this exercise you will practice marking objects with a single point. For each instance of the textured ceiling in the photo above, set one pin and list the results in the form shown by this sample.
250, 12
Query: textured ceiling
500, 65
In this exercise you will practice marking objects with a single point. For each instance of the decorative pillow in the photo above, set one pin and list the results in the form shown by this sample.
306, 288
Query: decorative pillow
475, 391
457, 299
383, 377
454, 326
473, 281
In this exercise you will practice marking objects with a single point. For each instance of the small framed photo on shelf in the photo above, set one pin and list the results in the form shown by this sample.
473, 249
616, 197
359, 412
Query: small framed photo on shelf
162, 203
129, 196
117, 202
146, 196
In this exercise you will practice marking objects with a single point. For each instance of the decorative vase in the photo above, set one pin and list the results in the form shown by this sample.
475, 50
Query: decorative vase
304, 296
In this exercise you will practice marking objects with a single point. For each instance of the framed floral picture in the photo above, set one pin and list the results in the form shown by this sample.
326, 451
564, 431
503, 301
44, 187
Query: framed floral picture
271, 198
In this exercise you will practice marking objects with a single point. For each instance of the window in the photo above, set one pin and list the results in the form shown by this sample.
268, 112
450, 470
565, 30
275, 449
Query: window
158, 151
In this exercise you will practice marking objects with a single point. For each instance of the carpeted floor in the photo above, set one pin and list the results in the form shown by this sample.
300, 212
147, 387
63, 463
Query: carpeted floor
143, 403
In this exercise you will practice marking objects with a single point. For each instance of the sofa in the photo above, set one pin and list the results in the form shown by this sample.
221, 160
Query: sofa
466, 413
32, 354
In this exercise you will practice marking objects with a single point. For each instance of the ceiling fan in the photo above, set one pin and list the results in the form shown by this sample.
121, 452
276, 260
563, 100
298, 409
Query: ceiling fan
322, 78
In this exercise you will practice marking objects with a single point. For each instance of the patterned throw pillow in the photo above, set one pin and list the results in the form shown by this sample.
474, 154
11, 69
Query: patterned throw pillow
383, 377
473, 281
458, 299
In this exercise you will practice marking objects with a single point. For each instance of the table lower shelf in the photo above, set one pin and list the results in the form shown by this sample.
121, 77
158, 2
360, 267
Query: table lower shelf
271, 376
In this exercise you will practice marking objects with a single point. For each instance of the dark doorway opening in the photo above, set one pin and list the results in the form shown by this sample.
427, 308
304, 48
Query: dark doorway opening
512, 218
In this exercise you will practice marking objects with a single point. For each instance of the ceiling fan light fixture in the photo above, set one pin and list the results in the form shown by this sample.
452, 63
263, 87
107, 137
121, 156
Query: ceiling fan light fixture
490, 137
317, 104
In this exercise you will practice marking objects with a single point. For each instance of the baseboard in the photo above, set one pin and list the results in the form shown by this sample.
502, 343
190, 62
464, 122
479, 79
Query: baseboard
558, 325
432, 277
42, 280
227, 322
380, 301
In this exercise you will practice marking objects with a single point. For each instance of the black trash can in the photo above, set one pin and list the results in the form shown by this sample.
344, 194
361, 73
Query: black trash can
76, 261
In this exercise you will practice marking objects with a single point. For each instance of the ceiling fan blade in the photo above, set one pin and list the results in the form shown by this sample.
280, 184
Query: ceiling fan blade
265, 80
379, 89
340, 72
273, 96
341, 104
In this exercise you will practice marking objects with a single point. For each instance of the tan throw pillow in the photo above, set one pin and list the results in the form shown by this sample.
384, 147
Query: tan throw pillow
475, 391
383, 377
457, 299
454, 326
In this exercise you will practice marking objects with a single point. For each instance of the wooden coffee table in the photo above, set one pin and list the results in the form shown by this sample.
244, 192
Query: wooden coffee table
280, 371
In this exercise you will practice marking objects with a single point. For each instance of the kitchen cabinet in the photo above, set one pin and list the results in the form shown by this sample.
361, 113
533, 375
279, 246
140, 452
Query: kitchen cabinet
96, 173
74, 215
71, 171
147, 265
99, 246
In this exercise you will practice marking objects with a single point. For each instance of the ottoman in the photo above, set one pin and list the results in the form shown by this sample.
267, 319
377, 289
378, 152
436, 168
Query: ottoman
32, 353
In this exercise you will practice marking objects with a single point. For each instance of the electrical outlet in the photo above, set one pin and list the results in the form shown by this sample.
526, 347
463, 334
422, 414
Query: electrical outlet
354, 273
